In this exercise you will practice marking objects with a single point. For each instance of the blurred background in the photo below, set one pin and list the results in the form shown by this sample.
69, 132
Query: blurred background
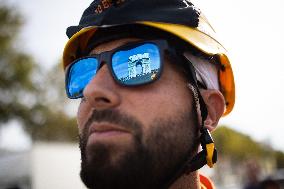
38, 132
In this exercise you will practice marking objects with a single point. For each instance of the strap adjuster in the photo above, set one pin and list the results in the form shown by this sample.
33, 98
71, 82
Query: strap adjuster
207, 144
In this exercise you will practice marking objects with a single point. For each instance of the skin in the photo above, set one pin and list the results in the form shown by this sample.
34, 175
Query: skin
109, 95
145, 103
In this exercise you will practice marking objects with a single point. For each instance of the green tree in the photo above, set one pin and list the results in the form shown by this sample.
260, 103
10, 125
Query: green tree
26, 90
55, 123
16, 67
238, 146
279, 159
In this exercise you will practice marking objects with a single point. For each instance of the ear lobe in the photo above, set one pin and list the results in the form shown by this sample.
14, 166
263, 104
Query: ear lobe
215, 103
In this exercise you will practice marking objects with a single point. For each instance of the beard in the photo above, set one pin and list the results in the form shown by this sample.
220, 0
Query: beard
149, 161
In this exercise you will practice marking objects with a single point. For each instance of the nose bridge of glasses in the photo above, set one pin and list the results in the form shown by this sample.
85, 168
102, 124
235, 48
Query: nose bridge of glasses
104, 58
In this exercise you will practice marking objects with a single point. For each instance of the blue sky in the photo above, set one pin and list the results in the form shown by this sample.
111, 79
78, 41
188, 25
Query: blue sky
252, 31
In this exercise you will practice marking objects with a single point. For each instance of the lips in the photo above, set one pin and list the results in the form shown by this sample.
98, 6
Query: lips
103, 128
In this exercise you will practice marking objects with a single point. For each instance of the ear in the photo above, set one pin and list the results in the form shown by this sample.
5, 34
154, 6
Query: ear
215, 103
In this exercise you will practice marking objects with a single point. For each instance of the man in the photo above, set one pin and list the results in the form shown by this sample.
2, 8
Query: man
152, 81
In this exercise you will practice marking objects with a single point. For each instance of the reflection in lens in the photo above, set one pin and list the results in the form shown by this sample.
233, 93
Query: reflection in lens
138, 65
80, 75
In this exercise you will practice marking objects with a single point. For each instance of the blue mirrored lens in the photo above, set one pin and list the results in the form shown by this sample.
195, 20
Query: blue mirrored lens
136, 66
80, 74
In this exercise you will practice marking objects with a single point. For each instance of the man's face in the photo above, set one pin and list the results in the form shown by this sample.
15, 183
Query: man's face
135, 137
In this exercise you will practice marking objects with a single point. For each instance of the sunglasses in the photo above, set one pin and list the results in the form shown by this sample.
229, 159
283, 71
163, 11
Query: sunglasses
132, 64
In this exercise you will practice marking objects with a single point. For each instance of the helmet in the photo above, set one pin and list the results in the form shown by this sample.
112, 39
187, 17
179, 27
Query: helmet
177, 17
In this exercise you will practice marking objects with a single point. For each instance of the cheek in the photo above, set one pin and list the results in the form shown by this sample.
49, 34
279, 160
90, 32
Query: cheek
82, 115
162, 99
159, 102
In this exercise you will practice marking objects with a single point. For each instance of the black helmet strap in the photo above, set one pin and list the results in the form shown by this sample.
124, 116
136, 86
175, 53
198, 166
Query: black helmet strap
208, 154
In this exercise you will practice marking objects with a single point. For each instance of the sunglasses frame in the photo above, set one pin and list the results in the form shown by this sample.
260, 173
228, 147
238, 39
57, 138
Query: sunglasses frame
106, 58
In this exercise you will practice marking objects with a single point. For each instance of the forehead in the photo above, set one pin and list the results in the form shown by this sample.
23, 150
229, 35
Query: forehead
107, 46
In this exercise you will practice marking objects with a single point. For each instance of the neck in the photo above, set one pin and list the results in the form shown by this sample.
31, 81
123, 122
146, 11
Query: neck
187, 181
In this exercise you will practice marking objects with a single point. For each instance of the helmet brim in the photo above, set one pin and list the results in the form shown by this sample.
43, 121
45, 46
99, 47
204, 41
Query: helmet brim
195, 36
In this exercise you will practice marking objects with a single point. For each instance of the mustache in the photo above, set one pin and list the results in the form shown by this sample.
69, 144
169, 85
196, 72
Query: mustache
114, 117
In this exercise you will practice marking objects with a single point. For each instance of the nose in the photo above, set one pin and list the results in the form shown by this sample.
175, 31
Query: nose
102, 91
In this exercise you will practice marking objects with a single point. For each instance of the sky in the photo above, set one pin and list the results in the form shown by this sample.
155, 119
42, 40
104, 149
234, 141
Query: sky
252, 31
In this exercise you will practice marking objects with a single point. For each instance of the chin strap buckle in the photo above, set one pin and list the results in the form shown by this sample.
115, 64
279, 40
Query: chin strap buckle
208, 154
208, 146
